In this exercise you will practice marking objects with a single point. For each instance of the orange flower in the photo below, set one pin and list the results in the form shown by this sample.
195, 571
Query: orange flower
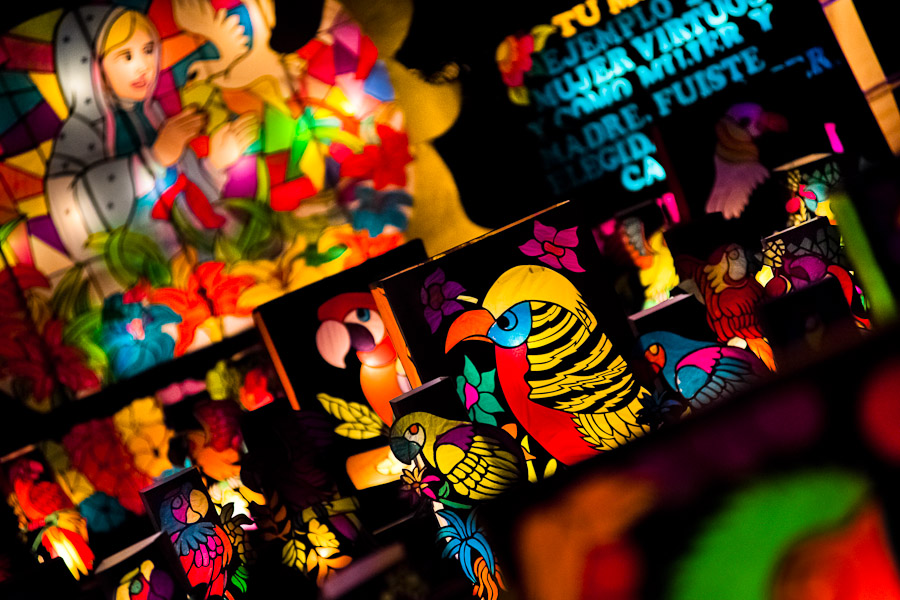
202, 295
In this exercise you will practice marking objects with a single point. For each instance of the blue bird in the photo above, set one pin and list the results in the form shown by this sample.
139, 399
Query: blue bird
702, 372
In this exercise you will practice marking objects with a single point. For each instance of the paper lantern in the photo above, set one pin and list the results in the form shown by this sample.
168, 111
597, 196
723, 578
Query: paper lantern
44, 507
523, 289
181, 508
148, 570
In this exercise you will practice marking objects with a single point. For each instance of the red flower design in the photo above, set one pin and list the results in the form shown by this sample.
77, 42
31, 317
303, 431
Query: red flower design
43, 359
97, 451
205, 293
384, 164
514, 58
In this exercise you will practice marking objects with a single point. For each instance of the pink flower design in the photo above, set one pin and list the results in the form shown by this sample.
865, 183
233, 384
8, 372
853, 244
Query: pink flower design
554, 248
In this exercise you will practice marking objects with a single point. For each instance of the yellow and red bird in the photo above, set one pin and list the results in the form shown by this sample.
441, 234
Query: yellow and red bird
351, 321
562, 378
731, 295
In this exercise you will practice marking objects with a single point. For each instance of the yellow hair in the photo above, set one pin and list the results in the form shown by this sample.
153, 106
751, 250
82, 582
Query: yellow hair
121, 30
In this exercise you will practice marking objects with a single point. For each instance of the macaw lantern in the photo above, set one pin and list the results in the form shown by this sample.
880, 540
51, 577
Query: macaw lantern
47, 514
181, 508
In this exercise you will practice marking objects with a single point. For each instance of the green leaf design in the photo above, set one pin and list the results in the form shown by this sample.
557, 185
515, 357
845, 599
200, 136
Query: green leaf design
487, 381
71, 297
479, 416
239, 579
81, 333
131, 256
488, 403
7, 228
256, 235
359, 421
471, 373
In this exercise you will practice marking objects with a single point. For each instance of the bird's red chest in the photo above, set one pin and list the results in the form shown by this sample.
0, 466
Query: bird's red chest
553, 429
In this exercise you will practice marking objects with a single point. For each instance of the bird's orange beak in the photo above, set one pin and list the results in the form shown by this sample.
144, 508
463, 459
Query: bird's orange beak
471, 325
656, 356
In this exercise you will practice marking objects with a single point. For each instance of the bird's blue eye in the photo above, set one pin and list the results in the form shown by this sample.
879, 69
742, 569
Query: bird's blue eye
363, 314
512, 327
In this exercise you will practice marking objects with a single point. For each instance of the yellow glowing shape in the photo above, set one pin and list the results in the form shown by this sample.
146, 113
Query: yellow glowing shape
199, 506
765, 275
373, 467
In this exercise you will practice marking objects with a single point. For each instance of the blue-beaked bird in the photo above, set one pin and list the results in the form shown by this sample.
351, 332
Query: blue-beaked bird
702, 372
476, 459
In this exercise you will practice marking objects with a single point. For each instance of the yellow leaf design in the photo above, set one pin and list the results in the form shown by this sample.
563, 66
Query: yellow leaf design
294, 554
359, 421
356, 431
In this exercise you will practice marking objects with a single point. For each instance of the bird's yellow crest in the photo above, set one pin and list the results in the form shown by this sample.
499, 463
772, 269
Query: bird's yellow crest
531, 283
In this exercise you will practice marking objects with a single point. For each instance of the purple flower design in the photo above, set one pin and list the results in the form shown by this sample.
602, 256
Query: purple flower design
439, 297
554, 248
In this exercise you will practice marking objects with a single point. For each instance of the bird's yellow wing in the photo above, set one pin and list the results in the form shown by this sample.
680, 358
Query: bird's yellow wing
608, 430
483, 471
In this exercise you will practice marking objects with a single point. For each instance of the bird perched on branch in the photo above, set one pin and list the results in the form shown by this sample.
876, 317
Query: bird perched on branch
562, 378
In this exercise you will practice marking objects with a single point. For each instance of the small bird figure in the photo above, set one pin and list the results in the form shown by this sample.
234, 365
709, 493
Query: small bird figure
479, 461
656, 268
702, 372
202, 546
560, 375
350, 321
63, 531
738, 170
731, 295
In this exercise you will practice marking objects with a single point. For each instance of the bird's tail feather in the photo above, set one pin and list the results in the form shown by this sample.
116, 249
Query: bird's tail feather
760, 347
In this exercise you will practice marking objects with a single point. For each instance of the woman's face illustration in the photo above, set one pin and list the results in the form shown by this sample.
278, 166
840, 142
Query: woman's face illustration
131, 68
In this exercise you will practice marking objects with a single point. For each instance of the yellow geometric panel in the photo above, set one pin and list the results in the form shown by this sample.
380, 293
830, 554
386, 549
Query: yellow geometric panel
48, 86
47, 259
36, 206
33, 161
40, 28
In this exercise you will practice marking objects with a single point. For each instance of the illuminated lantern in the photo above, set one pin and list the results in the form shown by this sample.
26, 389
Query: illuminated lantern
534, 291
808, 253
347, 345
44, 507
147, 570
181, 508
